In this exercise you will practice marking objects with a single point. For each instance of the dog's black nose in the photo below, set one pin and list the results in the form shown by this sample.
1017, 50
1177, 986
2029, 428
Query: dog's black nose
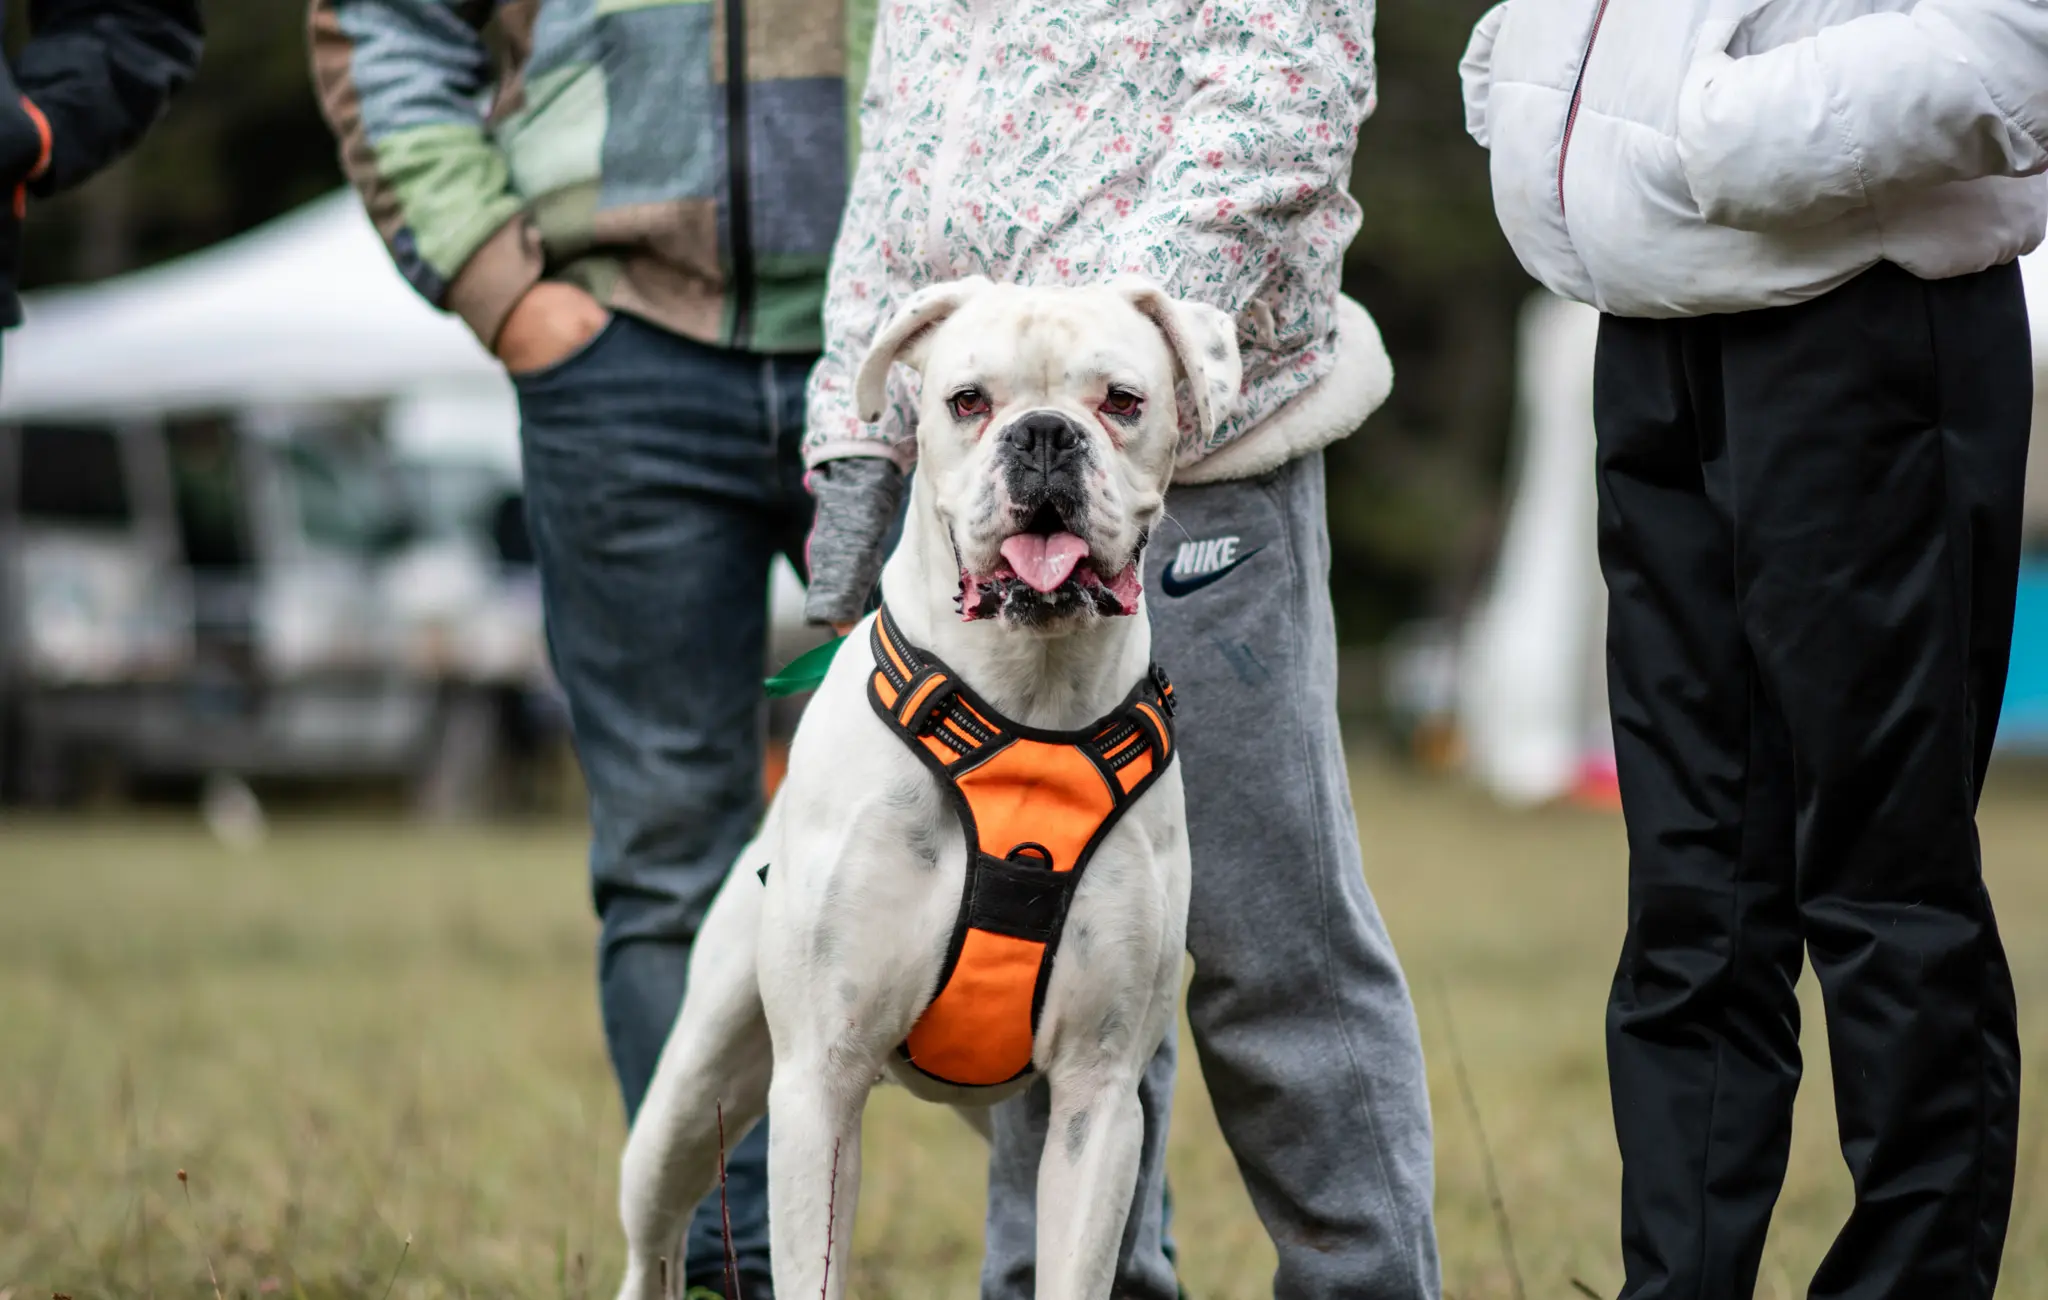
1045, 459
1042, 440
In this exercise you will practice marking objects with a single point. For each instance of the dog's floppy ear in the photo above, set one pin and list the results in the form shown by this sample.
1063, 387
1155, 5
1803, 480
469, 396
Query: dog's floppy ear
902, 338
1204, 343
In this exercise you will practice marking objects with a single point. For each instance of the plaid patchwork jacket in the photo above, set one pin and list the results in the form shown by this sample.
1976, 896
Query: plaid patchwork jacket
608, 143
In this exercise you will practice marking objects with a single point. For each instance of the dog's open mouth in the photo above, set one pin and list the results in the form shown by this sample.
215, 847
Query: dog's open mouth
1047, 573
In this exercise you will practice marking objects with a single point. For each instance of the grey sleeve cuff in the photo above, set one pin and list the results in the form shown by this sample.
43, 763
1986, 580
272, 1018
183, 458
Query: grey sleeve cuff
857, 502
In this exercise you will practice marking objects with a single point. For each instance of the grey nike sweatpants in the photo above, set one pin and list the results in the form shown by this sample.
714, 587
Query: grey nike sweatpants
1301, 1016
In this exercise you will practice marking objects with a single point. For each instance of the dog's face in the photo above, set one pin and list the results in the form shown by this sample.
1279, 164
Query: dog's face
1047, 424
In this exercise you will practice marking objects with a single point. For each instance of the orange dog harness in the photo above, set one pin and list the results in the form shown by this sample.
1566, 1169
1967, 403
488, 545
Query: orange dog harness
1033, 805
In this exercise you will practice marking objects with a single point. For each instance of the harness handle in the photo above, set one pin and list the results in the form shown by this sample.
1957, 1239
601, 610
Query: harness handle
934, 700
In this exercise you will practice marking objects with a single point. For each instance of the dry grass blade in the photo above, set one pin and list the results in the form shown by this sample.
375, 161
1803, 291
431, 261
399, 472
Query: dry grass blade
38, 1127
732, 1261
403, 1251
1493, 1195
831, 1224
211, 1276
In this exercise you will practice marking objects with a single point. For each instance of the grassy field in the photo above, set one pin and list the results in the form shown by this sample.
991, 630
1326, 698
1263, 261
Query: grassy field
364, 1034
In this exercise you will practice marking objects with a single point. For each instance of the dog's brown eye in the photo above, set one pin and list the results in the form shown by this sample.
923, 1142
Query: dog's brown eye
968, 403
1121, 401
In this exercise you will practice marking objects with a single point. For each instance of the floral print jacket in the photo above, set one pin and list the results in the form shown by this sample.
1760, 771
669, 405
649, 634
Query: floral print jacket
1205, 144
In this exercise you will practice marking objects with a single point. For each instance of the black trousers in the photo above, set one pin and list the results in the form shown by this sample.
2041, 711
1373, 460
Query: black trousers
1809, 527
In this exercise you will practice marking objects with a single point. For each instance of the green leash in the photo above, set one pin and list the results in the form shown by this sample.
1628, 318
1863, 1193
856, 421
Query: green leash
804, 672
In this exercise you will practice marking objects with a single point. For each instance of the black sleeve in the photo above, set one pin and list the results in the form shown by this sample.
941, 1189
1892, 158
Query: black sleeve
101, 71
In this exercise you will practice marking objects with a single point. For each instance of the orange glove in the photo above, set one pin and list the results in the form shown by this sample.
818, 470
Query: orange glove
42, 159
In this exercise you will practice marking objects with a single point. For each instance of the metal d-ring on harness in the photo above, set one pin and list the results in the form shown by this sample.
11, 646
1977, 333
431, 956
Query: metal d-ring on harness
1034, 805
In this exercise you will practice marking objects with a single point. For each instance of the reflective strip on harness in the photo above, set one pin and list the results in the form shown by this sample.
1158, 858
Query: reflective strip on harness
1033, 805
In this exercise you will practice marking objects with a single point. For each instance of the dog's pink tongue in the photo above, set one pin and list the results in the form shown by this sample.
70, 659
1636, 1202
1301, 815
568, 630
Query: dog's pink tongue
1044, 562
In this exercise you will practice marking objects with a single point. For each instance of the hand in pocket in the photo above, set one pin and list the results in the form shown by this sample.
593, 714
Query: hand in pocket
548, 326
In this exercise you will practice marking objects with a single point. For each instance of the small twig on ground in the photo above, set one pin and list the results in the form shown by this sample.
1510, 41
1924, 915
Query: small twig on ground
186, 1184
1585, 1290
732, 1259
831, 1223
403, 1251
1500, 1205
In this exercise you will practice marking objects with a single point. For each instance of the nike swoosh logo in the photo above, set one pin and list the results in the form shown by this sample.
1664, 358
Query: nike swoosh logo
1173, 585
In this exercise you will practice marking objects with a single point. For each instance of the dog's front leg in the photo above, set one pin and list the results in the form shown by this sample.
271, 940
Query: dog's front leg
1086, 1178
710, 1086
814, 1174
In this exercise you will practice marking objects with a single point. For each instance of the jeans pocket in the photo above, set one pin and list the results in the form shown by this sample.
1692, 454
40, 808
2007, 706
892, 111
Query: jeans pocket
526, 380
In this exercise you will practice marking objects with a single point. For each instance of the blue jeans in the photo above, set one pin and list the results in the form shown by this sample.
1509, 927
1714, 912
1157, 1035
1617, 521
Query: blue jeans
662, 477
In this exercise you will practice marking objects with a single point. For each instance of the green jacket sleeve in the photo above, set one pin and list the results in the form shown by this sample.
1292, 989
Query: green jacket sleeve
402, 84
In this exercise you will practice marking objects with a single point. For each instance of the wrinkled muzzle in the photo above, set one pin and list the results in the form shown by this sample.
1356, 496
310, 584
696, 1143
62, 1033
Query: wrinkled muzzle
1047, 570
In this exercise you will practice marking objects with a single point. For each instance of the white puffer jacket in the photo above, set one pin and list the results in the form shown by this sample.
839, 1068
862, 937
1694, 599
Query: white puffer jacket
1685, 157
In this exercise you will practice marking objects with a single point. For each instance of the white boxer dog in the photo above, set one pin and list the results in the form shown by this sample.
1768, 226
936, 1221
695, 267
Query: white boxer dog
1047, 426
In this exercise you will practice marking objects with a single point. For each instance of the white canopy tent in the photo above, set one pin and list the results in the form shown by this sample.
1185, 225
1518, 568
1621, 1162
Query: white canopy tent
1531, 689
304, 311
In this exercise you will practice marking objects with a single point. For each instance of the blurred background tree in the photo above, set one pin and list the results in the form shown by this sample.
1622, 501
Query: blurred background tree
1414, 498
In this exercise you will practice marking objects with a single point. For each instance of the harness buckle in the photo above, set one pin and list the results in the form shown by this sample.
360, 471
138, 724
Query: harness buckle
1161, 684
